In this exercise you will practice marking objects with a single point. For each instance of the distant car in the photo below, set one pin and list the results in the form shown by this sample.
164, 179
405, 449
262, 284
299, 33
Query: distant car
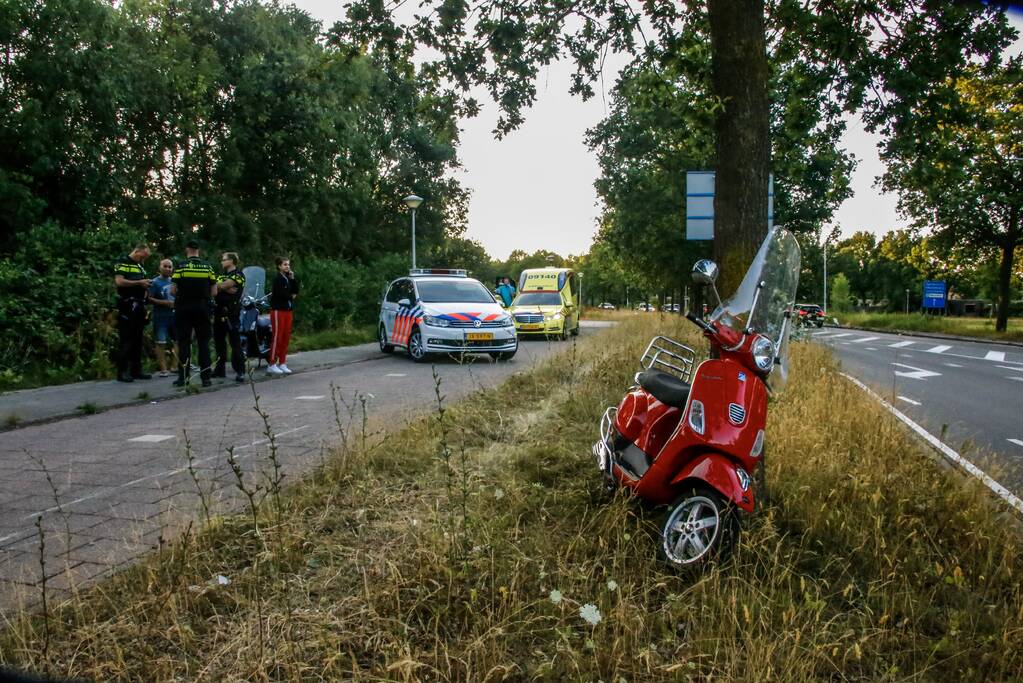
644, 306
607, 306
670, 308
810, 314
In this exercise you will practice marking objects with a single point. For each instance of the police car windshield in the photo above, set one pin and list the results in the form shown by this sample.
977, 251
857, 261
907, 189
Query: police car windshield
453, 292
539, 299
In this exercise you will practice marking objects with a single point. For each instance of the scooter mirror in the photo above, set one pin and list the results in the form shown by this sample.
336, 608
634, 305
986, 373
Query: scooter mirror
705, 272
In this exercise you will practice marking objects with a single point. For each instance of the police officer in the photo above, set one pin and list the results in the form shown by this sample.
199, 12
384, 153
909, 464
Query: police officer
132, 290
194, 284
227, 317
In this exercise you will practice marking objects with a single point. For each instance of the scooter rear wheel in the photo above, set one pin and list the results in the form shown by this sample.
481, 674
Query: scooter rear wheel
700, 527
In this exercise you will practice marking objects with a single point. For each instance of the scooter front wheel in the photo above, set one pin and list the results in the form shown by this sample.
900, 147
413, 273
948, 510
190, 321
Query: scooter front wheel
700, 526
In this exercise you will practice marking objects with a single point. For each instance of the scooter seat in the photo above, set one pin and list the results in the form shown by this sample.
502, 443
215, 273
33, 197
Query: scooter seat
666, 388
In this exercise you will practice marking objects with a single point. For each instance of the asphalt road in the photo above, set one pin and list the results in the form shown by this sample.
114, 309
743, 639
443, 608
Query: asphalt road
121, 478
968, 394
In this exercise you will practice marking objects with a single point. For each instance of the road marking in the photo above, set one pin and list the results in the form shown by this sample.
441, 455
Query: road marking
395, 374
1016, 441
908, 400
871, 348
997, 356
1018, 379
899, 345
308, 398
953, 365
938, 349
918, 373
995, 487
842, 334
152, 438
1009, 367
864, 339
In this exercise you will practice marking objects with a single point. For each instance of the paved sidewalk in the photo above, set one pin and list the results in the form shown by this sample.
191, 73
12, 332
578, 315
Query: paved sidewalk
31, 406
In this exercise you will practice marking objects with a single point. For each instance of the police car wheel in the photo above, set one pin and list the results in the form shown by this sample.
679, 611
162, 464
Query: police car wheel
503, 355
382, 338
416, 349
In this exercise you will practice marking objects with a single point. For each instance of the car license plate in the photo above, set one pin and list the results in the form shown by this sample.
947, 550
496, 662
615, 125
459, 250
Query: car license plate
479, 336
531, 327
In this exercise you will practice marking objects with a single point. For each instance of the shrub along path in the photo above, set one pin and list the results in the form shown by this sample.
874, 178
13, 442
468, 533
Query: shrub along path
474, 545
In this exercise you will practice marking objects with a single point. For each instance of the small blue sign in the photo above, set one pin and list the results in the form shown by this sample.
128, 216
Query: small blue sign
935, 294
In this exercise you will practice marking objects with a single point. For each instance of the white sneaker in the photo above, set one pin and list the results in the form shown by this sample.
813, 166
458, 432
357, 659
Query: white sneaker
284, 368
274, 370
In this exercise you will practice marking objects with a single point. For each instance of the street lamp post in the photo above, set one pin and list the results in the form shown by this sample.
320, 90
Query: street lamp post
824, 304
907, 302
413, 201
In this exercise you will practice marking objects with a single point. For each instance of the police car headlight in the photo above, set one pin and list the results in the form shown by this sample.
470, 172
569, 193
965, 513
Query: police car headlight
763, 354
434, 321
506, 321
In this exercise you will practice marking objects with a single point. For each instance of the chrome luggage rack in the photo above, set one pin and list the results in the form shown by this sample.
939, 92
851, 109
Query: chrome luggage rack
668, 355
603, 450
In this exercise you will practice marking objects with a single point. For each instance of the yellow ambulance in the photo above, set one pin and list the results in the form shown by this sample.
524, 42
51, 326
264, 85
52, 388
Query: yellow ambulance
547, 303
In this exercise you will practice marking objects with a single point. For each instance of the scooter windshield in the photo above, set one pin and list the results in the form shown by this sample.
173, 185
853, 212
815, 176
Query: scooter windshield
255, 282
776, 265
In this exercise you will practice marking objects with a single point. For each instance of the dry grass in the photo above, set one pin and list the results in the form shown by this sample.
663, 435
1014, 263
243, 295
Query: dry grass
433, 556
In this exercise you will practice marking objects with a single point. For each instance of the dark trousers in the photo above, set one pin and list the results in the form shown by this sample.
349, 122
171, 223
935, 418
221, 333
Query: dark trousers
187, 321
131, 323
226, 332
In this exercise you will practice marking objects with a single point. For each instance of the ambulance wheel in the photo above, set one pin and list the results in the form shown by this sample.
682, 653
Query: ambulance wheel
563, 335
382, 338
503, 355
416, 348
700, 527
575, 330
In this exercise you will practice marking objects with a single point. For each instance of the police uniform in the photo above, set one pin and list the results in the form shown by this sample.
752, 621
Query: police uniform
131, 319
226, 326
194, 279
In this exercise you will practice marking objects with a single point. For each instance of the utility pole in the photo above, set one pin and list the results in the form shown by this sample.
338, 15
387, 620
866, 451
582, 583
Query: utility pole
824, 304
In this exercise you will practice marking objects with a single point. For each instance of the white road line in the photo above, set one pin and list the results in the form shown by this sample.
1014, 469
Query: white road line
899, 345
871, 348
953, 365
959, 460
842, 334
308, 398
1018, 379
997, 356
864, 339
1009, 367
167, 473
918, 373
395, 374
938, 349
1015, 441
908, 400
152, 438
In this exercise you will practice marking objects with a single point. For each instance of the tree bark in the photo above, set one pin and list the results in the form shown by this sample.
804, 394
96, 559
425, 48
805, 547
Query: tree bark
742, 134
1005, 271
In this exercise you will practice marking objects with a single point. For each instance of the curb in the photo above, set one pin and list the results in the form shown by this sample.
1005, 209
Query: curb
932, 335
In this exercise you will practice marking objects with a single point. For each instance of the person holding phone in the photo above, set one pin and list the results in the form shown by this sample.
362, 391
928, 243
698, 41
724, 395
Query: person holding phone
282, 305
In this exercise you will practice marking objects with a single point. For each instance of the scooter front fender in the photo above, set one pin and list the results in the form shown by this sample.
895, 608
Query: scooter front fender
718, 472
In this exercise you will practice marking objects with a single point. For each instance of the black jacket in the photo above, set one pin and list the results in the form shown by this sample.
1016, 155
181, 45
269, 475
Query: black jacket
282, 292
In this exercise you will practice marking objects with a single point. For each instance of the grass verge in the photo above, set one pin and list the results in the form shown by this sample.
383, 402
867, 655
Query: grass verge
983, 328
474, 545
348, 334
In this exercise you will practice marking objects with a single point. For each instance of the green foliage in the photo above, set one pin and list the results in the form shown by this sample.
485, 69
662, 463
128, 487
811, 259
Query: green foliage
839, 294
336, 292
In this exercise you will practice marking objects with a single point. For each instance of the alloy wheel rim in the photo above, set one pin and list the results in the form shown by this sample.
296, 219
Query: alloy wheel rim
692, 530
416, 345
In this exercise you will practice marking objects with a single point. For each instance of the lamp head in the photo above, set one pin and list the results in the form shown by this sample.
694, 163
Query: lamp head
413, 201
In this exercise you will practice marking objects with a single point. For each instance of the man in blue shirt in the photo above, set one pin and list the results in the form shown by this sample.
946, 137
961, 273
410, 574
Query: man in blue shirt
163, 314
506, 290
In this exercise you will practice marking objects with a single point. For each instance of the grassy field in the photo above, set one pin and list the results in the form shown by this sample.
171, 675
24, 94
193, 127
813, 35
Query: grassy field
345, 335
470, 545
916, 322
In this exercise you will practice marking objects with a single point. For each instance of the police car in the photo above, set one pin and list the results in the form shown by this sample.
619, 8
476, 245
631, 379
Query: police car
444, 311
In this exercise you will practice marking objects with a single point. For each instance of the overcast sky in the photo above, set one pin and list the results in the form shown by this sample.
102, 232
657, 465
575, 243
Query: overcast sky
534, 189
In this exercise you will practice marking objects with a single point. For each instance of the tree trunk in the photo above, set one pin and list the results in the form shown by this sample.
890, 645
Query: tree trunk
742, 135
1005, 271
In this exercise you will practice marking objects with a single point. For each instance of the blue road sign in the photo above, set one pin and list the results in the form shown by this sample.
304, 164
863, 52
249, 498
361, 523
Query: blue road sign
935, 293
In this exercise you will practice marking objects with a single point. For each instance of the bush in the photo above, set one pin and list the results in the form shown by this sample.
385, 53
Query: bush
337, 292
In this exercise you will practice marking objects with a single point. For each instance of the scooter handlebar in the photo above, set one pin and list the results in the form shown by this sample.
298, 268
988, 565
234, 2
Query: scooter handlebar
698, 322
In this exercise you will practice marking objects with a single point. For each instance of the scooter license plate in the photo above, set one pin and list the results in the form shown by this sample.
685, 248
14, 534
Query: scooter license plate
479, 336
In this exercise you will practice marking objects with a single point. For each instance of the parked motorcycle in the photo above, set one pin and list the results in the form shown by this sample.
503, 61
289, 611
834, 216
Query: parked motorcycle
691, 442
257, 332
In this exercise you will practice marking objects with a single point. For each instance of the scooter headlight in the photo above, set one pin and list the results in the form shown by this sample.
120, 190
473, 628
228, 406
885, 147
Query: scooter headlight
763, 354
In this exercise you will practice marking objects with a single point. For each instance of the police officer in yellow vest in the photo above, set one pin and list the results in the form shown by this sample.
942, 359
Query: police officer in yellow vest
194, 284
132, 291
227, 318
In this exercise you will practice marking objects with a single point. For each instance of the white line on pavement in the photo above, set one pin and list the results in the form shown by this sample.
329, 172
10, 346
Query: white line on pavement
308, 398
918, 373
938, 349
1018, 379
864, 339
908, 400
997, 356
953, 365
899, 345
1008, 367
995, 487
842, 334
395, 374
871, 348
1016, 441
152, 438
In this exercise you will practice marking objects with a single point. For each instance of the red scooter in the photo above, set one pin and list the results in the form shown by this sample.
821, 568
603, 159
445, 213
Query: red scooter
691, 443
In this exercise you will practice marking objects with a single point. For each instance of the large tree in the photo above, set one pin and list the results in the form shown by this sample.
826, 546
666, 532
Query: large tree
958, 166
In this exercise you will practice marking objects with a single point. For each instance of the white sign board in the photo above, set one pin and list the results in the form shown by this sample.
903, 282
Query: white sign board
700, 204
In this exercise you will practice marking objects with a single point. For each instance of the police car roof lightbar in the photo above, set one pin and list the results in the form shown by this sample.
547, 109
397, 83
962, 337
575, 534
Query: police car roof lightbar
457, 272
